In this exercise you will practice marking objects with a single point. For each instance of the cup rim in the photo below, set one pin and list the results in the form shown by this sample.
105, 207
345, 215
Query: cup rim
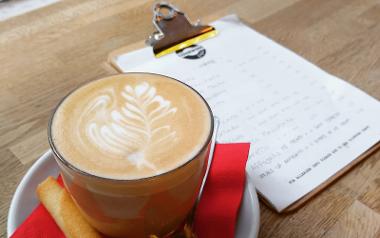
84, 173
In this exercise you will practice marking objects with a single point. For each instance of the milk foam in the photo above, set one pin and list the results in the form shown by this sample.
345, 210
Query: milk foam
125, 127
129, 129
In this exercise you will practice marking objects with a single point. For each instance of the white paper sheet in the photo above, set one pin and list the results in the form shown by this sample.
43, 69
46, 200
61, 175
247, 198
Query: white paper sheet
304, 124
17, 7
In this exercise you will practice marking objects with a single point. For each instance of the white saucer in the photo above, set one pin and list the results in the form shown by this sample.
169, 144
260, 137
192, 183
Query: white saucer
25, 200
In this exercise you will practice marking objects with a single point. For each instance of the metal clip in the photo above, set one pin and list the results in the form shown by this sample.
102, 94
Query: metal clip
174, 30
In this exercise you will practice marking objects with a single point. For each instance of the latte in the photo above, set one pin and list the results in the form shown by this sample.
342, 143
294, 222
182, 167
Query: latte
130, 126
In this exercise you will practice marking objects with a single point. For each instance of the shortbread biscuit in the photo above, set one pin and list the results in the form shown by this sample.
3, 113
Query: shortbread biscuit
63, 210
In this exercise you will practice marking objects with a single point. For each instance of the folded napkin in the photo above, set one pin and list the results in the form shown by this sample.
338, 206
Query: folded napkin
39, 224
217, 211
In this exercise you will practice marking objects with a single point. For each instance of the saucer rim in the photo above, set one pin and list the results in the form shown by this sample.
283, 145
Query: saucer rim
13, 223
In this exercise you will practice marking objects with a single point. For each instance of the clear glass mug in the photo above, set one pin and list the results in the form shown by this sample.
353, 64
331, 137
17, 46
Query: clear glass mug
149, 207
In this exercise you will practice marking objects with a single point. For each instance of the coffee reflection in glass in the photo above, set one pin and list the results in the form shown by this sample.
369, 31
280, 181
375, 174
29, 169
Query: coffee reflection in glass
132, 150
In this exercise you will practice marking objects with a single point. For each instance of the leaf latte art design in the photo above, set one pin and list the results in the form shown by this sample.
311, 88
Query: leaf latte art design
131, 124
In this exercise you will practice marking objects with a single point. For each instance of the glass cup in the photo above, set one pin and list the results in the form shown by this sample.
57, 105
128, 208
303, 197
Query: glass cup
155, 206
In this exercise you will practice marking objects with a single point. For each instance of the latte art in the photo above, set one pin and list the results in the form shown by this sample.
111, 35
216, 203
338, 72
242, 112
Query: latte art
139, 125
131, 126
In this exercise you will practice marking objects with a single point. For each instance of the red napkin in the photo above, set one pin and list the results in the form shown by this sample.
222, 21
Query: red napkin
39, 224
217, 211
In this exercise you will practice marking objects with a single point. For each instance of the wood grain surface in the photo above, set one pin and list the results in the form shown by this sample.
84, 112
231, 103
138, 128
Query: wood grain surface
46, 53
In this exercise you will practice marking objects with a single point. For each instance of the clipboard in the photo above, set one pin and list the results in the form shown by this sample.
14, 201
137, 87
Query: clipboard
174, 32
182, 37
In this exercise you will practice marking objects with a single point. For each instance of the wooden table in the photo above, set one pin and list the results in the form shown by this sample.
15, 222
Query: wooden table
46, 53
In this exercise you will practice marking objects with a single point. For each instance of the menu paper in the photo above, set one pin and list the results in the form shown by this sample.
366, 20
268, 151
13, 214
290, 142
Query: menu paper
304, 124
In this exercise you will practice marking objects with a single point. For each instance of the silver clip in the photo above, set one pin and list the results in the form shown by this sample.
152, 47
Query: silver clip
174, 30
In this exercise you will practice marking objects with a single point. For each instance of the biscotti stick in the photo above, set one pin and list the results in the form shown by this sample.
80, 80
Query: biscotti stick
62, 208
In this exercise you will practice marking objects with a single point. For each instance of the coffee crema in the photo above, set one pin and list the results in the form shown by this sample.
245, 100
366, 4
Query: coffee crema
130, 126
